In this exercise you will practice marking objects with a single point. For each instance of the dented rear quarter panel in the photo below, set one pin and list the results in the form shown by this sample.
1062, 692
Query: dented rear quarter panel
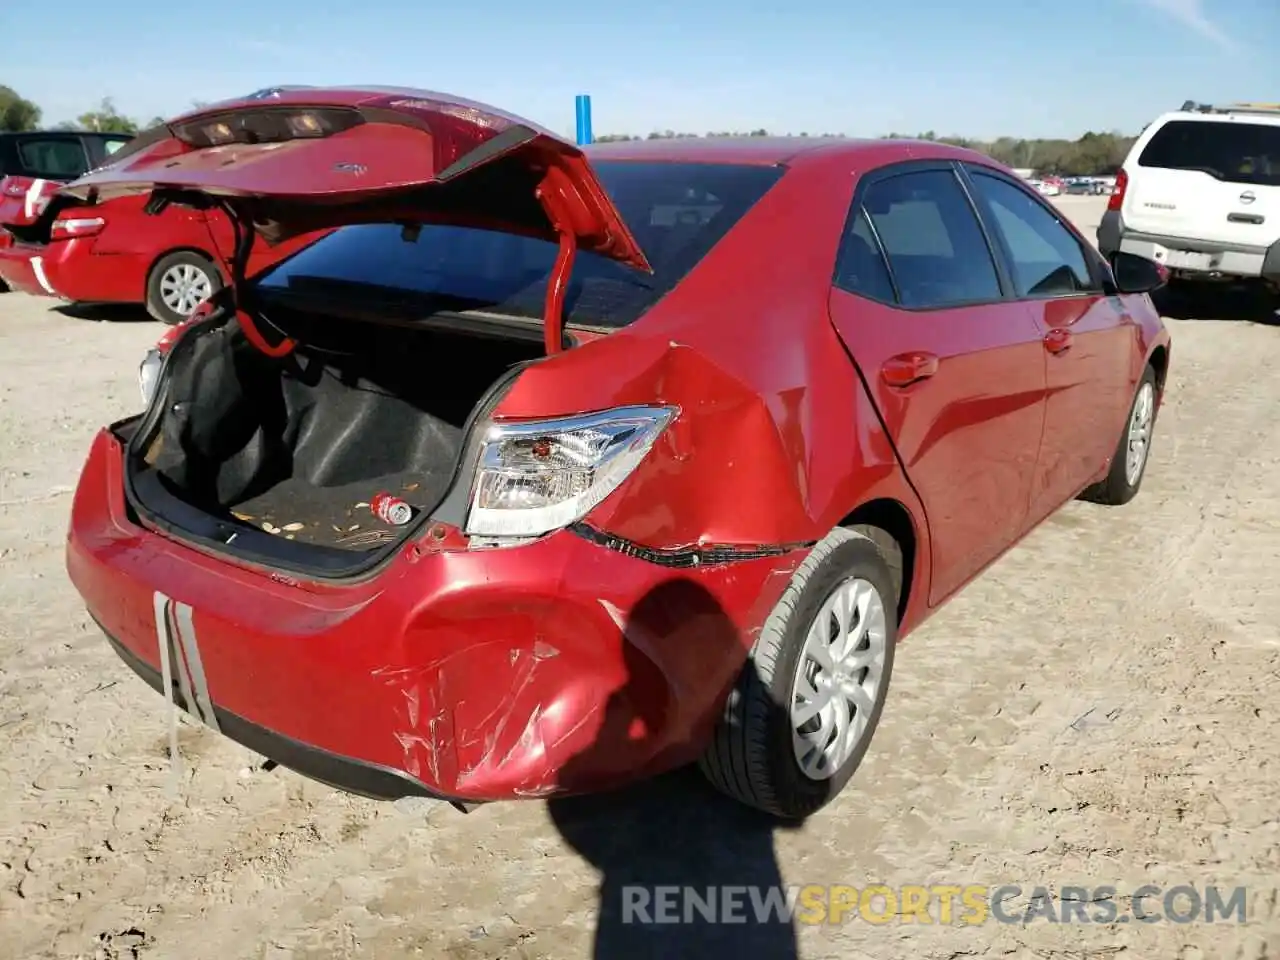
777, 440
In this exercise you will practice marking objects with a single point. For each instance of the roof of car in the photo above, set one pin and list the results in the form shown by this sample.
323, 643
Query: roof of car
769, 151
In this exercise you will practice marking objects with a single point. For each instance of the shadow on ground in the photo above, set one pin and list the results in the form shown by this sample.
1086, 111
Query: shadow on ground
1219, 303
674, 831
105, 312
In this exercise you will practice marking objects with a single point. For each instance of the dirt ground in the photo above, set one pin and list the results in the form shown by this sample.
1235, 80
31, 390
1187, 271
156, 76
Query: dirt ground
1102, 707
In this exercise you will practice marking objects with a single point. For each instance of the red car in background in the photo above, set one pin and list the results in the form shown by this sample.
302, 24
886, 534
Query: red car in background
117, 252
691, 431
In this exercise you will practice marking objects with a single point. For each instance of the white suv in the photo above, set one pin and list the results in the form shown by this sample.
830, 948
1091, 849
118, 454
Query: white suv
1200, 193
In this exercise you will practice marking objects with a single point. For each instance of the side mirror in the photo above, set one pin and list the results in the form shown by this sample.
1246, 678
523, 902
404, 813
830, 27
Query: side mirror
1134, 274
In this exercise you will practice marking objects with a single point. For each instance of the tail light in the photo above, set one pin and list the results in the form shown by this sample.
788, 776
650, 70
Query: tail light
70, 227
149, 374
538, 476
1117, 195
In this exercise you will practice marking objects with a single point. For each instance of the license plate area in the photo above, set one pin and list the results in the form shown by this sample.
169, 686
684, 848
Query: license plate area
1189, 260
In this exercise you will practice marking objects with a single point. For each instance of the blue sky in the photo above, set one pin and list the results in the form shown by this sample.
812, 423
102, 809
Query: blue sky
979, 68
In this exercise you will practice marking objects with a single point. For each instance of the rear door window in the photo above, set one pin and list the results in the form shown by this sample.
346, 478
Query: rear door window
52, 158
861, 267
937, 253
1231, 151
1044, 257
676, 211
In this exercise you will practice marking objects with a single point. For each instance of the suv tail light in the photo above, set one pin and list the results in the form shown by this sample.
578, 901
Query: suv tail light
1117, 195
66, 229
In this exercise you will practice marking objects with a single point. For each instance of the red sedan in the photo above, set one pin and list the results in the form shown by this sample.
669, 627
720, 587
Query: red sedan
689, 434
170, 260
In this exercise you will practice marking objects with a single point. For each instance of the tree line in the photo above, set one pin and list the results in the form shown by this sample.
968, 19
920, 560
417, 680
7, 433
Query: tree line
17, 114
1093, 154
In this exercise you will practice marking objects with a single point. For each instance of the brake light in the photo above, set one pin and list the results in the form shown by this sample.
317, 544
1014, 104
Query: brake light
71, 227
1117, 195
538, 476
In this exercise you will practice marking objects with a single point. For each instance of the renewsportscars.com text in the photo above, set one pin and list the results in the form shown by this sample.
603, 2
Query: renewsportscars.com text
938, 903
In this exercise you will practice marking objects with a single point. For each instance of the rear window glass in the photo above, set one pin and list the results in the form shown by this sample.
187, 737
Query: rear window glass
677, 212
54, 159
1226, 150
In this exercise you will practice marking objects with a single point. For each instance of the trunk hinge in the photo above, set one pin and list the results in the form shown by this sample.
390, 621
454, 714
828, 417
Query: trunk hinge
244, 237
557, 197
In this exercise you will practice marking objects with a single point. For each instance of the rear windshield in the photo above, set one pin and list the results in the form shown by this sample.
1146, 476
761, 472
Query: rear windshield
52, 158
677, 212
1227, 150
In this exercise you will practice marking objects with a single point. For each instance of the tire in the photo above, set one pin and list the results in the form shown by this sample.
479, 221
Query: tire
1120, 485
179, 268
753, 757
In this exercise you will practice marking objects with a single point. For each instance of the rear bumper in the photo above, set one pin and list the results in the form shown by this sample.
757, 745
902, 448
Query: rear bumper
561, 666
353, 776
22, 268
1231, 260
70, 270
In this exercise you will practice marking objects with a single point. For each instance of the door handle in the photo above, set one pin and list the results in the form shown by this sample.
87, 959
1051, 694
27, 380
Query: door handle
907, 368
1057, 340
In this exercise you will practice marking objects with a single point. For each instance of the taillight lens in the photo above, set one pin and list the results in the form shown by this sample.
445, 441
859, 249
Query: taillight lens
538, 476
1117, 195
69, 227
149, 375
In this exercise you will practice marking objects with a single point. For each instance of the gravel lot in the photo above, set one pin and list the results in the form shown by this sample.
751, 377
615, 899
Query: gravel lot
1102, 707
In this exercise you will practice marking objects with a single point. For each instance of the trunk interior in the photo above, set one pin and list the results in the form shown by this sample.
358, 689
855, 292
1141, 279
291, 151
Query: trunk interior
298, 447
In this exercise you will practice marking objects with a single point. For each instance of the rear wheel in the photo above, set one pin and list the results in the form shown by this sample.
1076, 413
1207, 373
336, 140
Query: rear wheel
800, 720
1129, 464
179, 283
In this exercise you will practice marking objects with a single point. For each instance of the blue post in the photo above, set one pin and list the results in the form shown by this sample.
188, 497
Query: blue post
584, 119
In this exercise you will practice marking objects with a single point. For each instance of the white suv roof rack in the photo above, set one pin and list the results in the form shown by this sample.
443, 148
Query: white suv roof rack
1257, 108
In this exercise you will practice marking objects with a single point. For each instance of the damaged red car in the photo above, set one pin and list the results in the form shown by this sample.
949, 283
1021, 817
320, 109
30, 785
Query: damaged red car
691, 433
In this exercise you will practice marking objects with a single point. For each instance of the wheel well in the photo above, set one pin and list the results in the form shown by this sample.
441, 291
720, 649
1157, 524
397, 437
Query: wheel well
1160, 366
889, 524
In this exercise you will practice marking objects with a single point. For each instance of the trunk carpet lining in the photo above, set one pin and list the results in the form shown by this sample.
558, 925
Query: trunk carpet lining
340, 516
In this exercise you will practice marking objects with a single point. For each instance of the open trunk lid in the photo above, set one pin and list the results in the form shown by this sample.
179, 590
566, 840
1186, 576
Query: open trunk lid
310, 159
